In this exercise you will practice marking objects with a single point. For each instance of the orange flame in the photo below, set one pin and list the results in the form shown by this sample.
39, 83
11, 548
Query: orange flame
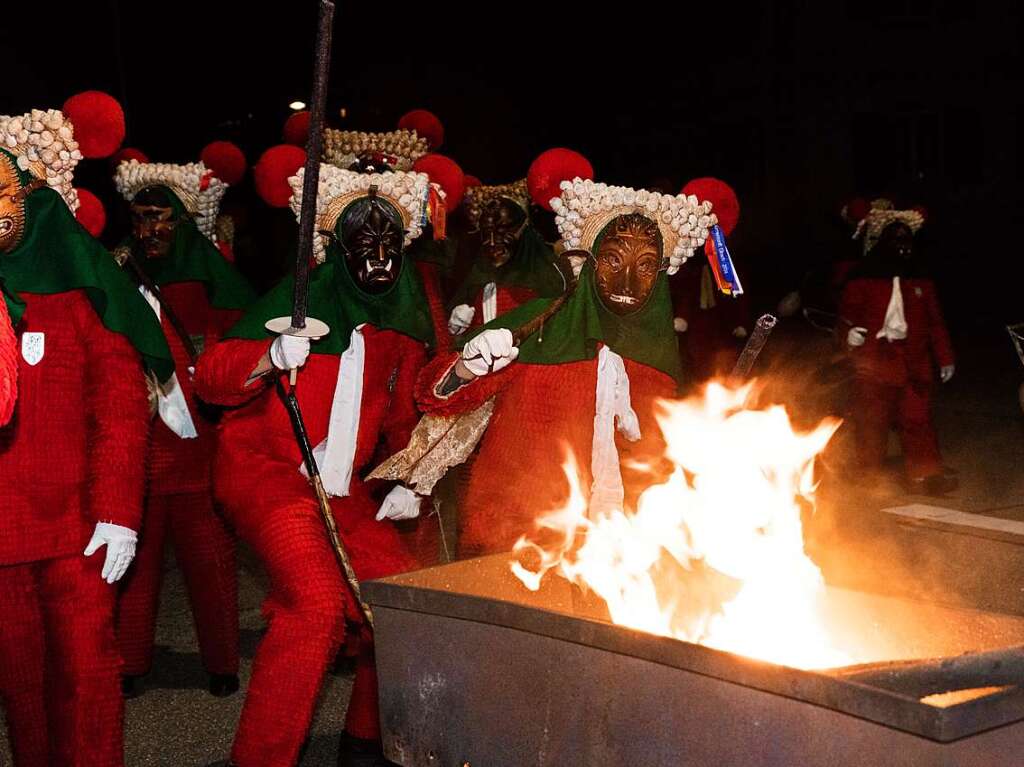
714, 555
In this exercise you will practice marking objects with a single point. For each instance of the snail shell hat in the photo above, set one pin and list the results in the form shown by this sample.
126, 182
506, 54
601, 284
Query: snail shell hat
199, 190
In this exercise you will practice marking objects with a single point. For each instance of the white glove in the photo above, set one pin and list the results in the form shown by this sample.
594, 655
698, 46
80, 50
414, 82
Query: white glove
289, 352
946, 372
739, 332
401, 503
680, 325
856, 336
461, 319
120, 543
489, 352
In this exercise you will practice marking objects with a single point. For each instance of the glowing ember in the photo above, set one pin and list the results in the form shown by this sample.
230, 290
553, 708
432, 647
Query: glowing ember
715, 555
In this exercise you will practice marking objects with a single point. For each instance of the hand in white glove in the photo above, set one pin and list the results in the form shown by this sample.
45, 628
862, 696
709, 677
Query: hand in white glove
489, 352
289, 352
946, 372
739, 332
856, 336
400, 503
120, 543
680, 325
461, 319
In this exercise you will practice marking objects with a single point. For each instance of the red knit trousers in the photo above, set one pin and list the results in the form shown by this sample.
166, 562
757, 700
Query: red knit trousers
205, 551
59, 664
877, 408
305, 611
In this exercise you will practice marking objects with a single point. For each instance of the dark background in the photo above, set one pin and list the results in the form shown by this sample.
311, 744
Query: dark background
799, 105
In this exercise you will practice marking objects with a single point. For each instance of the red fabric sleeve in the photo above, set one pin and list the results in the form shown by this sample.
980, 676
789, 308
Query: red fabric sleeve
851, 307
224, 368
219, 321
403, 415
468, 397
435, 301
937, 333
118, 415
8, 365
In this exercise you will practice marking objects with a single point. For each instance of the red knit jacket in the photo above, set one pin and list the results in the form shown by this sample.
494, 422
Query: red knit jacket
179, 465
541, 413
864, 303
73, 454
508, 297
431, 279
8, 365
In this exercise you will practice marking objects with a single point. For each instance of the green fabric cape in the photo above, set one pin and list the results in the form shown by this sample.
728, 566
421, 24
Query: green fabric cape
193, 258
531, 266
430, 251
57, 255
646, 336
335, 299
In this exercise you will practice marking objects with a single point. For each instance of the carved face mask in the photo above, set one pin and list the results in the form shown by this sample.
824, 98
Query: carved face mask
627, 262
12, 206
501, 223
896, 242
371, 235
153, 222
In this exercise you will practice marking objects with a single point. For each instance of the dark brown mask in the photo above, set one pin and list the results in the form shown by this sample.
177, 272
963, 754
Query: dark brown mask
12, 206
153, 222
627, 262
896, 242
501, 224
372, 239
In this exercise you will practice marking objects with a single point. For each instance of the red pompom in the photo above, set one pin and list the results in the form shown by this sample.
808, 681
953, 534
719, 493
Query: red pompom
273, 170
857, 210
724, 202
446, 173
922, 210
127, 154
550, 169
98, 122
296, 129
225, 160
426, 124
472, 181
91, 214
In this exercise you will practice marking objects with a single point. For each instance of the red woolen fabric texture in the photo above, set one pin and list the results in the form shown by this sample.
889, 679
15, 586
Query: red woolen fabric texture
91, 214
362, 719
877, 408
128, 153
472, 181
927, 345
726, 204
296, 129
226, 160
445, 172
550, 169
431, 278
8, 365
272, 508
508, 298
98, 123
72, 455
426, 124
271, 173
540, 412
59, 664
205, 551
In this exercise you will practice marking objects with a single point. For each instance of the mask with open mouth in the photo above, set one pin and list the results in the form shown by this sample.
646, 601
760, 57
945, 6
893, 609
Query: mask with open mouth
12, 206
627, 260
153, 222
371, 236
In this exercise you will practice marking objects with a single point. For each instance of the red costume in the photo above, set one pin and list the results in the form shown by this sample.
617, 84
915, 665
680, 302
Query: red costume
894, 379
69, 458
710, 336
273, 509
180, 503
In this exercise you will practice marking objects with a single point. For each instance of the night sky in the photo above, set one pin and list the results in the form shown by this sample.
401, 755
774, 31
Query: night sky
798, 106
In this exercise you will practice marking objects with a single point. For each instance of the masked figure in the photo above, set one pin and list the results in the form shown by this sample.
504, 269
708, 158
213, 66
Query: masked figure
171, 252
890, 320
355, 388
71, 469
587, 380
513, 264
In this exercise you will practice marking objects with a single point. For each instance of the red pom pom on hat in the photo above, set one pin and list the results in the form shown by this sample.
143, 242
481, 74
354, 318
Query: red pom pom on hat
856, 210
127, 154
98, 122
472, 181
226, 161
273, 170
426, 124
550, 169
724, 202
447, 174
91, 214
296, 128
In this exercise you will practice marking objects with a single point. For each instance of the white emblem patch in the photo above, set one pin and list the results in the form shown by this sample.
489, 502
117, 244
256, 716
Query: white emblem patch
917, 292
33, 346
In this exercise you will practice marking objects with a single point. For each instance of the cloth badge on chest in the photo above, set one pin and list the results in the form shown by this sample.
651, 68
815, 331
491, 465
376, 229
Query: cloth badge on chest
33, 347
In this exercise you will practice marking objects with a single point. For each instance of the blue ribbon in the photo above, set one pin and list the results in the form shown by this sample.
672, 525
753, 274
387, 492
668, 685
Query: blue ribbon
725, 265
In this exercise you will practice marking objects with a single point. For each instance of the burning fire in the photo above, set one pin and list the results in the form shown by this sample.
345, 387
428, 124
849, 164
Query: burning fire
715, 555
